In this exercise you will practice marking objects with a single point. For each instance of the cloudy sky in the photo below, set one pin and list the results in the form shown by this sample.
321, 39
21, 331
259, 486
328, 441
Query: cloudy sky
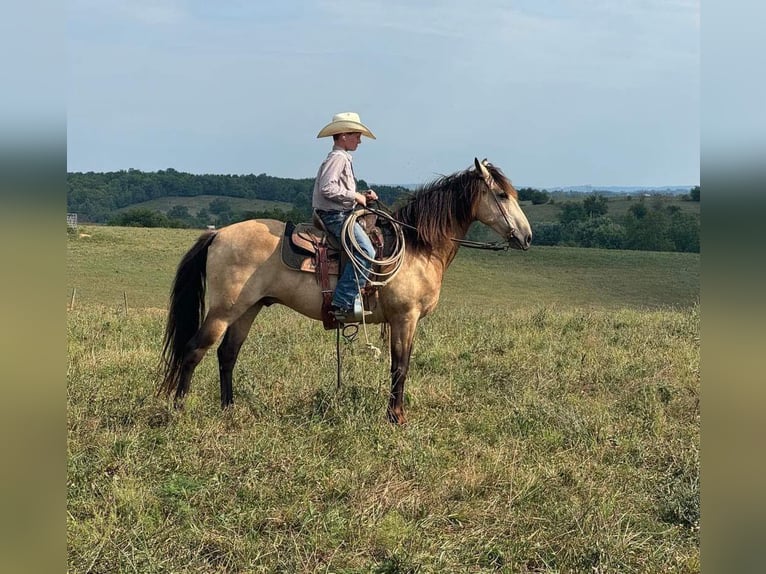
600, 92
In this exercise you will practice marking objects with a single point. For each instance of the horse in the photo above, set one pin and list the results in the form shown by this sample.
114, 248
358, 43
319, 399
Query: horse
240, 269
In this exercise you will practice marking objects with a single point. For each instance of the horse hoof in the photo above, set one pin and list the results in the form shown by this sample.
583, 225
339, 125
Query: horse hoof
397, 418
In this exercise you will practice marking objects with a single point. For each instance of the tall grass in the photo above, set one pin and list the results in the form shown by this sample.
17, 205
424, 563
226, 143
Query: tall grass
542, 438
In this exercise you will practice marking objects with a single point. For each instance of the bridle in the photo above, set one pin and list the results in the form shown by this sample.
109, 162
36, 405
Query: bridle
512, 229
492, 246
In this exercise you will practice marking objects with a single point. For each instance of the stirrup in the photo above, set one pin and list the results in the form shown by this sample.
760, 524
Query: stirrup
354, 315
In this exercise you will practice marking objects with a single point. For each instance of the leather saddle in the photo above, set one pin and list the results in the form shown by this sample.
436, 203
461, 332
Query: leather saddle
301, 246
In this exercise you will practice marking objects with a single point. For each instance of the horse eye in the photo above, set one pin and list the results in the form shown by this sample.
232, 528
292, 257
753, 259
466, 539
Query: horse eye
503, 195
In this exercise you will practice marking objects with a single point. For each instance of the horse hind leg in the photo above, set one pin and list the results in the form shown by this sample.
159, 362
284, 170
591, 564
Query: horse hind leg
228, 351
401, 338
207, 335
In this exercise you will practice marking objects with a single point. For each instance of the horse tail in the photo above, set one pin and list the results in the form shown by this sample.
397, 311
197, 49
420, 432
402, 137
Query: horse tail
187, 309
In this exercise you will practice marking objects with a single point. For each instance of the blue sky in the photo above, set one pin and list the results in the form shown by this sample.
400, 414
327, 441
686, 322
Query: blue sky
555, 93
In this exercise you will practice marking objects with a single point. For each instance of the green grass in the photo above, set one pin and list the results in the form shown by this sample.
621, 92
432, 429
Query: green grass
571, 276
104, 263
140, 262
547, 433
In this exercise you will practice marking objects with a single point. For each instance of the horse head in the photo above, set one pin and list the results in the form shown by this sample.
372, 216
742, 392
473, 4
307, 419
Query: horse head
499, 207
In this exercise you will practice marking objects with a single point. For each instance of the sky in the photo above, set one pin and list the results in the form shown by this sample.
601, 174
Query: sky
555, 93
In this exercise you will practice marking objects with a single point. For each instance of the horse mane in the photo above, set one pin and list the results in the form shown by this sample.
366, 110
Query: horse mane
446, 207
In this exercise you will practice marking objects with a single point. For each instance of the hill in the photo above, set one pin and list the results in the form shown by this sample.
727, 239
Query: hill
202, 202
96, 197
618, 206
169, 198
624, 189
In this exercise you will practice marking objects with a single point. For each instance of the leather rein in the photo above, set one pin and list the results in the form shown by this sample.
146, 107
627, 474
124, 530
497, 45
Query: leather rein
493, 246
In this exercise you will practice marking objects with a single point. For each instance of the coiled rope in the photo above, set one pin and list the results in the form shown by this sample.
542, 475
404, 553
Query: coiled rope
382, 271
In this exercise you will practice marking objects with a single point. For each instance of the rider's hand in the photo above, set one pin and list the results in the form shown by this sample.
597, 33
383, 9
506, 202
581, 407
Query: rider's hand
371, 195
361, 199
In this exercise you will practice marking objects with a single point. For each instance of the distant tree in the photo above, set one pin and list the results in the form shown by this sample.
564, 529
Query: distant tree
179, 212
571, 211
684, 231
140, 217
647, 230
219, 205
595, 205
694, 193
203, 218
638, 210
599, 231
540, 197
547, 233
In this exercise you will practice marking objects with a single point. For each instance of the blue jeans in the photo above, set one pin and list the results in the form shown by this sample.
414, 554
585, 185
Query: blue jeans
347, 287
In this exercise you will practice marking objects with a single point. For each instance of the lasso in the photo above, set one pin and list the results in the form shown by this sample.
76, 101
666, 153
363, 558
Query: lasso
386, 268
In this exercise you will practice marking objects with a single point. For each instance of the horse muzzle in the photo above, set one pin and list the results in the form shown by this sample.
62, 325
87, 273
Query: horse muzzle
519, 240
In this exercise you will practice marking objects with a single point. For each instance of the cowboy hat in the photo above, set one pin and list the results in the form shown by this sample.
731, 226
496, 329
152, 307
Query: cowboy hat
345, 122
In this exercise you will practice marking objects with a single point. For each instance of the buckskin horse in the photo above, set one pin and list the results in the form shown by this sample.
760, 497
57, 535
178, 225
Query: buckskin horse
240, 268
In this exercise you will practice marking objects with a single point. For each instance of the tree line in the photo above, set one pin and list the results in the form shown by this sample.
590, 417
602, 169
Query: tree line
96, 197
647, 226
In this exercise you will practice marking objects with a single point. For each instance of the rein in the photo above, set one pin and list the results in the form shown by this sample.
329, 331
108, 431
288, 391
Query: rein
494, 246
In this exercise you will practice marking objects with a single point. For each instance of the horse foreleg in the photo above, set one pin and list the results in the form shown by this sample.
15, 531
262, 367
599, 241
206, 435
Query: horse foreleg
228, 351
402, 335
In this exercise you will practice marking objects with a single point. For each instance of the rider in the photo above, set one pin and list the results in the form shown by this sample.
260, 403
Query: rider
335, 197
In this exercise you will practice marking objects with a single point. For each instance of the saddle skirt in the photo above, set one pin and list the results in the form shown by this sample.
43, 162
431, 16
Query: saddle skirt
300, 247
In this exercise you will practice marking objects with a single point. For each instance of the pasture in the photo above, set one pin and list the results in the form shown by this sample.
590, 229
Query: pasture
553, 401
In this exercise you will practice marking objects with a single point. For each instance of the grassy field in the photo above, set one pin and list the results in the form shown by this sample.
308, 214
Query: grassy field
140, 263
554, 426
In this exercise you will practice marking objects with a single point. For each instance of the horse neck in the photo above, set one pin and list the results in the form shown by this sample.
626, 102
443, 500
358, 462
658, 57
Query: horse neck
445, 250
440, 215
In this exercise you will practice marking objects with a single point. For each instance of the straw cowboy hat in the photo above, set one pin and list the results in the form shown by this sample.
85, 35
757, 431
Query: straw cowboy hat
345, 122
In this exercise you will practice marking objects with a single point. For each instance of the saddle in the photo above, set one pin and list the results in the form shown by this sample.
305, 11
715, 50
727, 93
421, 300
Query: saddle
308, 247
301, 245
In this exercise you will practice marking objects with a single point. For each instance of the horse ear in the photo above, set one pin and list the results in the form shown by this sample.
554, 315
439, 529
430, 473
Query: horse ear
482, 169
